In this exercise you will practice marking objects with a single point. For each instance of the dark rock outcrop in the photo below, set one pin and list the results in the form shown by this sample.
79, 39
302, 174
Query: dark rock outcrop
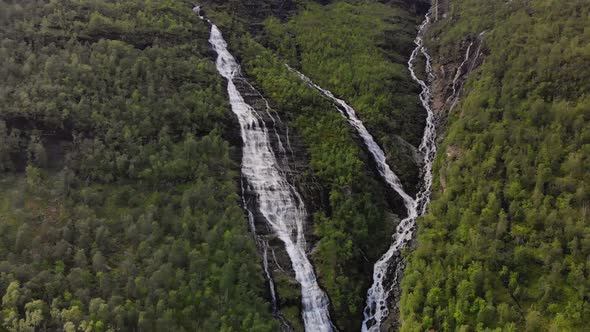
453, 70
419, 7
294, 162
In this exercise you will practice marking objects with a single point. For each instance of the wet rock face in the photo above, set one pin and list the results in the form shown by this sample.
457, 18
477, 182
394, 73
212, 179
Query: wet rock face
293, 161
452, 64
393, 323
290, 154
453, 70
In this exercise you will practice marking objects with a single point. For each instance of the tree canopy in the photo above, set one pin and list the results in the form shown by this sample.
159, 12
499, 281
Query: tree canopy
119, 196
505, 245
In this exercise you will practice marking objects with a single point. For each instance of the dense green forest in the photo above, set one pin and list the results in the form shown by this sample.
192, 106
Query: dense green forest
120, 204
505, 246
359, 51
119, 195
116, 126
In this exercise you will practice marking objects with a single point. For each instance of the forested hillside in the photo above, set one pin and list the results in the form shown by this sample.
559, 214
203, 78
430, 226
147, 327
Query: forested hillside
360, 51
506, 243
119, 200
115, 125
122, 206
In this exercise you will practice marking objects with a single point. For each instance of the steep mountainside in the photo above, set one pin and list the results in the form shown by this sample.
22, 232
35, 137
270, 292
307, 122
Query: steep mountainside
130, 107
507, 240
352, 234
119, 196
167, 165
355, 205
360, 53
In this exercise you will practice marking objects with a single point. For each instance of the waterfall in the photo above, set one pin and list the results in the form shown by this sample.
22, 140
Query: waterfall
197, 10
428, 145
455, 96
377, 309
350, 114
459, 73
276, 199
377, 297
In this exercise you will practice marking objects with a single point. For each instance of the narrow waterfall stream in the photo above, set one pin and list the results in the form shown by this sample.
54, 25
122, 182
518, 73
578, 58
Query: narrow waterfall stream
377, 309
455, 95
276, 199
350, 114
377, 294
460, 73
428, 145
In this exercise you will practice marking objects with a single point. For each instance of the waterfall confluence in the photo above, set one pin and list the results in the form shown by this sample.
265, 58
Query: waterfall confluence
377, 294
377, 309
277, 200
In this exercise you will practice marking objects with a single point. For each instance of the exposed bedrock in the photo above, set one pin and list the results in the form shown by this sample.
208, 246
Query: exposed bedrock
293, 161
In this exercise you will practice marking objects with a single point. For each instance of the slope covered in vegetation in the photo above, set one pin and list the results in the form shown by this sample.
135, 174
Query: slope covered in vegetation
119, 206
360, 52
115, 126
506, 243
119, 164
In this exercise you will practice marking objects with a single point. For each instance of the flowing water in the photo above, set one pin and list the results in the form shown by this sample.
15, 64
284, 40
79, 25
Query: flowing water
428, 145
350, 114
277, 200
458, 74
377, 297
376, 302
377, 309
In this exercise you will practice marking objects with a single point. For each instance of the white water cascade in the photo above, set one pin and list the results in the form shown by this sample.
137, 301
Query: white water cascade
428, 145
377, 309
277, 200
350, 114
377, 294
458, 73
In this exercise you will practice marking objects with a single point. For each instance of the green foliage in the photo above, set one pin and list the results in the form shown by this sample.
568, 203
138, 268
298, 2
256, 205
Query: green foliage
119, 206
359, 51
505, 244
